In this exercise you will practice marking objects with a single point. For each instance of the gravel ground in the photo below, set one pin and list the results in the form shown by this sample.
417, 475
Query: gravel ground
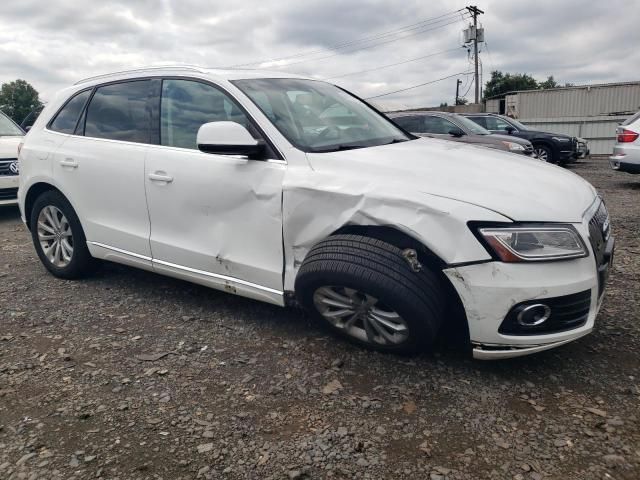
131, 375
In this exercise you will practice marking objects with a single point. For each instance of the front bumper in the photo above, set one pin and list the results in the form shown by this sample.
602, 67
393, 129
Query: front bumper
490, 290
8, 189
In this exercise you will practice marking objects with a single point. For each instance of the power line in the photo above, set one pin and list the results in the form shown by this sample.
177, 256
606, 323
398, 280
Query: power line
366, 39
366, 47
393, 64
419, 85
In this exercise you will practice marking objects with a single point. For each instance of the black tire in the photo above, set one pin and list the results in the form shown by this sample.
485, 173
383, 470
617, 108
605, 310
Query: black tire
375, 268
546, 151
81, 263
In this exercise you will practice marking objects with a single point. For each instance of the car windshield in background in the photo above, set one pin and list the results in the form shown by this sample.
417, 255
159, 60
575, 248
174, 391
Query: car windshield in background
8, 128
319, 117
472, 126
518, 125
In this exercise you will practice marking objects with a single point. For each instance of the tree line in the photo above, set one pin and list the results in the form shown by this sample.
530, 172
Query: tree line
18, 99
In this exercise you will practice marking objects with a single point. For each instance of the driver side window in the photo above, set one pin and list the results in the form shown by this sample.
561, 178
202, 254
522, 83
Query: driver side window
495, 123
437, 125
186, 105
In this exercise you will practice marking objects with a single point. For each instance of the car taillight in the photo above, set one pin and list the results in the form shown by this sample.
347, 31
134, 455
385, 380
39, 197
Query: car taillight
627, 136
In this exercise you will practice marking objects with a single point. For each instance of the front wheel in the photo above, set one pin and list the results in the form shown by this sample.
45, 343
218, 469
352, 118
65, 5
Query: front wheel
364, 290
58, 237
544, 153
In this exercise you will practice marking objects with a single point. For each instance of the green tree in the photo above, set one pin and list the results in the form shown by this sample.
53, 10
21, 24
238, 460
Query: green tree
461, 101
502, 83
549, 83
17, 99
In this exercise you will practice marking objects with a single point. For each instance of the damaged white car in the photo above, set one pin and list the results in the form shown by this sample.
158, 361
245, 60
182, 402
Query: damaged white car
286, 189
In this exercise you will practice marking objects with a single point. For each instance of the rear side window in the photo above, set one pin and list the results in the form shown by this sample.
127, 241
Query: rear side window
631, 119
120, 112
67, 118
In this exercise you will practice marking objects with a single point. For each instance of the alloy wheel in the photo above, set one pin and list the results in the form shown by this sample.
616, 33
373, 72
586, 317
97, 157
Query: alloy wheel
542, 154
55, 236
360, 315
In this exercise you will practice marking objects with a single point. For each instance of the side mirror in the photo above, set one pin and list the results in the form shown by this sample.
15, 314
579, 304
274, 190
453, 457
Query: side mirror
228, 138
26, 129
456, 132
510, 129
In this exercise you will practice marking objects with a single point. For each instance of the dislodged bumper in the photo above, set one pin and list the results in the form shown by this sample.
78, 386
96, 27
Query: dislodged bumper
490, 291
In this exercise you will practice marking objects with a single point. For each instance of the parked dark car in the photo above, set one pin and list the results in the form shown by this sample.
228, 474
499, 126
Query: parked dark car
550, 147
451, 126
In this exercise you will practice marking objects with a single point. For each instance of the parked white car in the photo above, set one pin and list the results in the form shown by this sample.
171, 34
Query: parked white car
626, 152
10, 137
285, 189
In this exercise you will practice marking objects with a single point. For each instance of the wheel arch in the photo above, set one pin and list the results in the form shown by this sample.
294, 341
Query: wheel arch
33, 193
455, 327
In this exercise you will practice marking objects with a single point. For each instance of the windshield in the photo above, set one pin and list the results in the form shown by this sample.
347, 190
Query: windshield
7, 127
518, 125
319, 117
472, 126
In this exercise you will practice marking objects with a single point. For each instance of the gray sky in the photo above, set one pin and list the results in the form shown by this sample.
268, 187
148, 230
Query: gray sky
52, 44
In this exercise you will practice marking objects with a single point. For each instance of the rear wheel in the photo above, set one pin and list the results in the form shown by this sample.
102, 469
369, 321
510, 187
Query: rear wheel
364, 290
58, 237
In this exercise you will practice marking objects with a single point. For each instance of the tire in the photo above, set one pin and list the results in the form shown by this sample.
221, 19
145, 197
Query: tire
62, 263
544, 153
374, 269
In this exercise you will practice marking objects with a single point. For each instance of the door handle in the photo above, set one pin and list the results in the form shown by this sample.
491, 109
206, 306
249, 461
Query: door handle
160, 177
69, 162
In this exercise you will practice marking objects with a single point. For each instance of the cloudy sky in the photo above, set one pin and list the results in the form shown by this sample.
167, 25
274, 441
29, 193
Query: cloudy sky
54, 43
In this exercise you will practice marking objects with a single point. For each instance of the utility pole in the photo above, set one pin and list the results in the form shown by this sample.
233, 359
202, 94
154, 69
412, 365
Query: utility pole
458, 82
475, 11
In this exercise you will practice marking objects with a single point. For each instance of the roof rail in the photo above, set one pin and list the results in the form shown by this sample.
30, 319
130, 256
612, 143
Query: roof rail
194, 68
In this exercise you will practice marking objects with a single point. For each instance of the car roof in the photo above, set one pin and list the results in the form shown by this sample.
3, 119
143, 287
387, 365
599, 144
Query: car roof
218, 74
422, 112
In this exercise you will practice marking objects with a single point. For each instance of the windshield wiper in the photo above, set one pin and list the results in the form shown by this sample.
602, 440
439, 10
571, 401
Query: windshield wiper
338, 148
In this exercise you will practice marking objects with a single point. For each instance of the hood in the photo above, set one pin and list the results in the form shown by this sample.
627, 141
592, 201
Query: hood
9, 146
517, 187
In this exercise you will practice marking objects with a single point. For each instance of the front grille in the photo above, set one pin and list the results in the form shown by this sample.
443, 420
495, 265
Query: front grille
567, 312
599, 233
5, 166
8, 193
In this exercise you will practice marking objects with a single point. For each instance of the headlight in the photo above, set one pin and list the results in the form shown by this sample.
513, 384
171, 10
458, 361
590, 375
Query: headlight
514, 147
534, 243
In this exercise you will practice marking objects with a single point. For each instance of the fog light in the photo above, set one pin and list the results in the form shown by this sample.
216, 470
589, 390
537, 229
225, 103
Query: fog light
533, 315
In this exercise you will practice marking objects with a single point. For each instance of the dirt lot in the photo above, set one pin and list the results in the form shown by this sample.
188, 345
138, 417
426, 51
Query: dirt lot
132, 375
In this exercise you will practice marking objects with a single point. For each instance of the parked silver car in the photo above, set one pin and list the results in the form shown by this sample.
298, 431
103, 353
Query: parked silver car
626, 152
451, 126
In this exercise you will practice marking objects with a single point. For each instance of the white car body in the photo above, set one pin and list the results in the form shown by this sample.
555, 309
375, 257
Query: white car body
626, 154
245, 226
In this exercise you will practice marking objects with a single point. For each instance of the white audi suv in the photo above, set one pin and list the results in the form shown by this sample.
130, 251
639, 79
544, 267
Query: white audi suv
291, 190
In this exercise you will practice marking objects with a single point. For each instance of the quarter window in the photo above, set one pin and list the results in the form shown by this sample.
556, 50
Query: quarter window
186, 105
120, 112
67, 118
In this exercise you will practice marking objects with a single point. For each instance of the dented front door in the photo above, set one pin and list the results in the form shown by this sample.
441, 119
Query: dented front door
217, 220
